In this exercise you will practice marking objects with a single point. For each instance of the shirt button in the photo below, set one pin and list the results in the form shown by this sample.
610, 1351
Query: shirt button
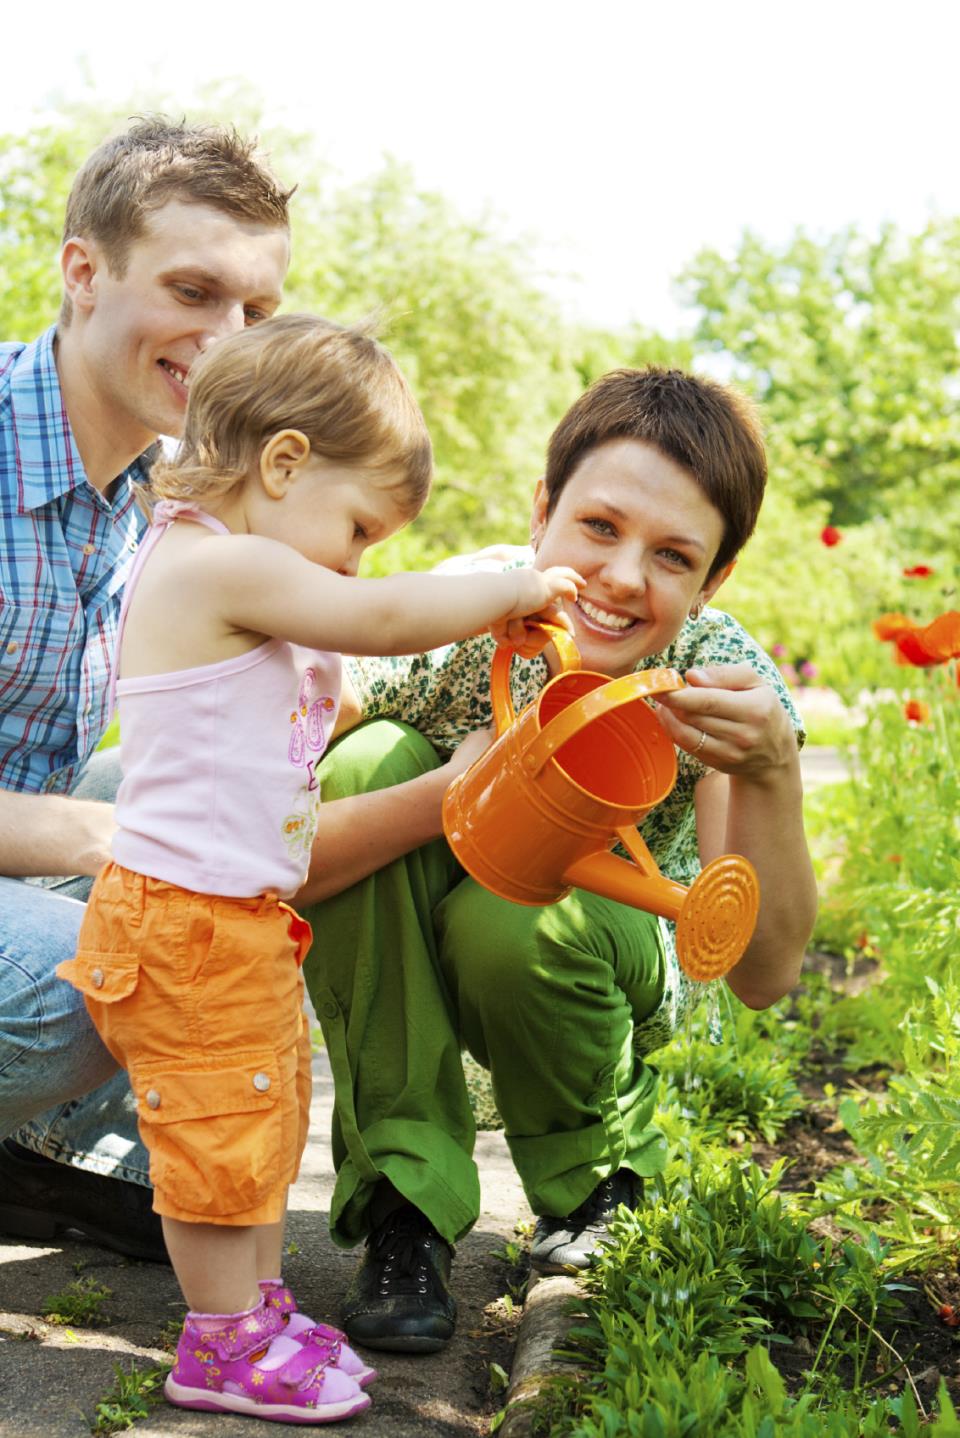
96, 978
89, 549
261, 1082
153, 1098
12, 647
330, 1011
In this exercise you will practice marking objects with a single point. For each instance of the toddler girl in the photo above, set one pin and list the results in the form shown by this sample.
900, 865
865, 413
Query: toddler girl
302, 446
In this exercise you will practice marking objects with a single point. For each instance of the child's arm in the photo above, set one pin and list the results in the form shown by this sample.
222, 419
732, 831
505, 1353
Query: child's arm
259, 585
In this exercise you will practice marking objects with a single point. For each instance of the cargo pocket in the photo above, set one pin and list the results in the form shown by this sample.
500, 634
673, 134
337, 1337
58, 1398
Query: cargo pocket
104, 977
214, 1134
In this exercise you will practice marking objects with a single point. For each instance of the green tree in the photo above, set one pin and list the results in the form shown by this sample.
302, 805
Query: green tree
852, 347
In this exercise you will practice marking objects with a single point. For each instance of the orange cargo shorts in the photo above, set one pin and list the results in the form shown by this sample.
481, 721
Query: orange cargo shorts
200, 999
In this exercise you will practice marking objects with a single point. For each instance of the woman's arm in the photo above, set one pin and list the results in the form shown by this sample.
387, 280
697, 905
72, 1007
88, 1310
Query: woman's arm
357, 836
751, 804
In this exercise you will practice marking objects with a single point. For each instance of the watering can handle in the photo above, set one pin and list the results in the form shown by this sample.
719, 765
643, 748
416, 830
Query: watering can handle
503, 710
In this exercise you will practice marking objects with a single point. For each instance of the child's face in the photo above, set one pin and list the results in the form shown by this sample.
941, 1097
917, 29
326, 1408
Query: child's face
333, 512
643, 534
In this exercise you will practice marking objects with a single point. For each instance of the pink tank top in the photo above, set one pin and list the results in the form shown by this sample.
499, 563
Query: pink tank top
219, 790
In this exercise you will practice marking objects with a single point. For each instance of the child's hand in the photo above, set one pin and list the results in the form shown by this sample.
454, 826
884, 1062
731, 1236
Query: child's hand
539, 597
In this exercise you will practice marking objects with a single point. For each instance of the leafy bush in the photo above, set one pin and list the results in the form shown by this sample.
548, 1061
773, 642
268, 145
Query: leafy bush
889, 855
713, 1267
730, 1089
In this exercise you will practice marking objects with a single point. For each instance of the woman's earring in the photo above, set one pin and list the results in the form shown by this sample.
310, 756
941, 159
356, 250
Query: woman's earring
697, 609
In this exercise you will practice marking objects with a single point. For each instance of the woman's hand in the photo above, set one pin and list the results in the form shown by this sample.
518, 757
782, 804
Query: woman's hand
732, 720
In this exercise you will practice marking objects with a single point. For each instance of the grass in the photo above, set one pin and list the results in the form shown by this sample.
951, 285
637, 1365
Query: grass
80, 1304
135, 1391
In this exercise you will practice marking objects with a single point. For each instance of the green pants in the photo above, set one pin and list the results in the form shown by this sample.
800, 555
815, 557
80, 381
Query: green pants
417, 962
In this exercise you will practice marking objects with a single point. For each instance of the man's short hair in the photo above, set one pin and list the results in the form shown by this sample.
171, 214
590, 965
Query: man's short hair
709, 430
157, 160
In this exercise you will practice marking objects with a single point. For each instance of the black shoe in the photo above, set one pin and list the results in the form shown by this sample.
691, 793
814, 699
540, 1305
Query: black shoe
399, 1297
39, 1198
572, 1242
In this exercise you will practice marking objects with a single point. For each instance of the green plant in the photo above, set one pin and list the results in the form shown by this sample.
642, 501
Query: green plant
888, 853
910, 1190
713, 1271
135, 1391
81, 1302
733, 1088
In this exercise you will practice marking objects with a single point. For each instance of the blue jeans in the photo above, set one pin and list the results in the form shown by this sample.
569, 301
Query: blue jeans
49, 1050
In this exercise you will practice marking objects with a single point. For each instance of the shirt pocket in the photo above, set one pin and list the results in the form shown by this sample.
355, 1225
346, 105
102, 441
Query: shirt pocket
33, 640
214, 1134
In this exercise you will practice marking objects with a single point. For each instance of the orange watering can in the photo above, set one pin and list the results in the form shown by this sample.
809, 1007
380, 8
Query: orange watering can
539, 813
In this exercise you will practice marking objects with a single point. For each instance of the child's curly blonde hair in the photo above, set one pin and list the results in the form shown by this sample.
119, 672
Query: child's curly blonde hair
336, 384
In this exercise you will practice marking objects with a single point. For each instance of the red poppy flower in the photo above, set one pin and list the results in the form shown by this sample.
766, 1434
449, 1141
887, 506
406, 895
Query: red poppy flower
830, 536
916, 712
888, 626
918, 571
922, 645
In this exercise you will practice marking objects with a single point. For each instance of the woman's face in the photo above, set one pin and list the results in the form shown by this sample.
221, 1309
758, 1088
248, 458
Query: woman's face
643, 534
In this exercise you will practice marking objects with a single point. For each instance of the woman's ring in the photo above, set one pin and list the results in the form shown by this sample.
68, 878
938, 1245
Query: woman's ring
703, 740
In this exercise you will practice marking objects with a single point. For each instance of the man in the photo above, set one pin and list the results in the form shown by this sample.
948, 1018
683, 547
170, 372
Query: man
174, 237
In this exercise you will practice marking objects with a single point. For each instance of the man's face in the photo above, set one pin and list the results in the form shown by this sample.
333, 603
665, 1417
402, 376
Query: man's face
196, 275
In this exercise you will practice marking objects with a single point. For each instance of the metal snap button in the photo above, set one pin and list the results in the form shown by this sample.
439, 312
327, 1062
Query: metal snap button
261, 1082
96, 978
12, 647
89, 549
330, 1011
153, 1098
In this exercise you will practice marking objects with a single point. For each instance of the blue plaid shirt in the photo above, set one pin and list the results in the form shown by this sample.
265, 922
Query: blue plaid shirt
65, 551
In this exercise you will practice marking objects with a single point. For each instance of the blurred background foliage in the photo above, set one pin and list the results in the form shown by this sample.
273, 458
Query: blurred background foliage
849, 343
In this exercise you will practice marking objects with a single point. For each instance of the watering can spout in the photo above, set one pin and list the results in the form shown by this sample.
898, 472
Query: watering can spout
539, 813
612, 878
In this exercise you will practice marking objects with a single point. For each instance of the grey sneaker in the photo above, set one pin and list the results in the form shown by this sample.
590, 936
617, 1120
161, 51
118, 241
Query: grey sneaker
560, 1244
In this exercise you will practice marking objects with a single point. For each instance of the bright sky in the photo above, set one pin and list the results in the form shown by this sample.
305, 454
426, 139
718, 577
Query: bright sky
622, 136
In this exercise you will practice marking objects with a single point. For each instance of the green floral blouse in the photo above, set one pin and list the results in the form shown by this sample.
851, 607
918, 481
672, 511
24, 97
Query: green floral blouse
445, 694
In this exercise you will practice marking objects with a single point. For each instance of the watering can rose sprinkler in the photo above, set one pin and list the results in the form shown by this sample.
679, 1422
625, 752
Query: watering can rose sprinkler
540, 811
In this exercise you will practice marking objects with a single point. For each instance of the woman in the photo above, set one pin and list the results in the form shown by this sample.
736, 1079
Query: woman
653, 484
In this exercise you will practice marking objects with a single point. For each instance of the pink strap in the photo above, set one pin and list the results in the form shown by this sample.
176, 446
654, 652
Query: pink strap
165, 512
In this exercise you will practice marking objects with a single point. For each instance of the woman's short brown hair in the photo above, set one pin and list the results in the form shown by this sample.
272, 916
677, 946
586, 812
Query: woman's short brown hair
337, 385
709, 430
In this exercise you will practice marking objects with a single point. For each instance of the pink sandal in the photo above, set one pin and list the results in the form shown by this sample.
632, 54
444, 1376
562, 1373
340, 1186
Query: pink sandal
253, 1367
299, 1326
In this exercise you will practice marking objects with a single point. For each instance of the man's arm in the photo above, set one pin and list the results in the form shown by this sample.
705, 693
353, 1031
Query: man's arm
43, 834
